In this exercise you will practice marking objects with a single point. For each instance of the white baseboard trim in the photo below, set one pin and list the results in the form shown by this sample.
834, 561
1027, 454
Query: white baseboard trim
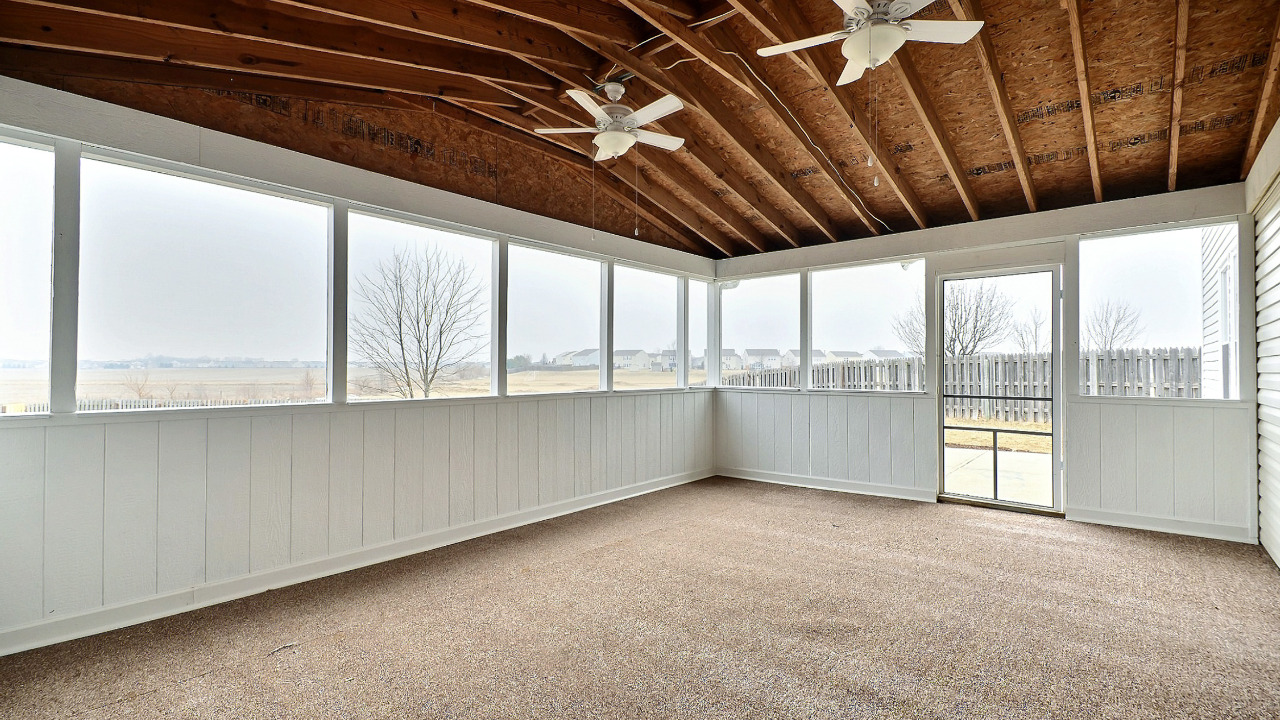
114, 617
1214, 531
849, 486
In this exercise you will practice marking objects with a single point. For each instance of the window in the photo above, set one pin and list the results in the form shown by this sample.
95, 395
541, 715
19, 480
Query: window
26, 259
194, 293
760, 320
698, 333
868, 327
418, 312
1159, 315
553, 322
644, 329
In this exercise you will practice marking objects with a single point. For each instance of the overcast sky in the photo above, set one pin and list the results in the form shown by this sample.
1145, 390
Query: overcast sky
197, 269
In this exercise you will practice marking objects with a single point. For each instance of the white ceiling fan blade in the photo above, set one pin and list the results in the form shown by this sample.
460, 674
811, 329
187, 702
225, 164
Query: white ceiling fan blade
654, 111
562, 131
588, 103
801, 44
942, 31
666, 142
852, 71
855, 8
905, 8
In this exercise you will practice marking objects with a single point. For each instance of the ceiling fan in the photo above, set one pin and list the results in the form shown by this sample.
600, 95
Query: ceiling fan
875, 29
617, 127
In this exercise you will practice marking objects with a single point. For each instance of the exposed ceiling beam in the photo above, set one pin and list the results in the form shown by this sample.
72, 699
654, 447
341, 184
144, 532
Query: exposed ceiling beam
1265, 97
57, 64
1076, 22
594, 17
234, 19
800, 133
683, 9
905, 68
705, 21
64, 30
788, 25
990, 62
714, 111
1179, 86
695, 44
459, 22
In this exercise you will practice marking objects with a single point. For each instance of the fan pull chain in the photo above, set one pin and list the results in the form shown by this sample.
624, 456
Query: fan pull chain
637, 189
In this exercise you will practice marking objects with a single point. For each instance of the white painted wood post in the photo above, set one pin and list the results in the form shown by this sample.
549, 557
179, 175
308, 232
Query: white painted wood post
64, 331
682, 331
338, 279
606, 325
713, 334
806, 335
498, 320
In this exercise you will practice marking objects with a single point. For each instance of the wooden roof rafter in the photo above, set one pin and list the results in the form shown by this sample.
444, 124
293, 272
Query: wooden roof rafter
1076, 22
990, 63
1266, 95
695, 44
788, 25
1183, 24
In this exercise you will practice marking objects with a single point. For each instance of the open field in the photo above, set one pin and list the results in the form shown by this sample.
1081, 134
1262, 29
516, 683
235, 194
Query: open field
1016, 443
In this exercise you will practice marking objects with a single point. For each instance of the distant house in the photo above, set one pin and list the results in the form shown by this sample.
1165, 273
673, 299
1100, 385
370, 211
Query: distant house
843, 355
697, 363
882, 354
791, 358
665, 361
630, 360
565, 358
730, 360
587, 358
762, 358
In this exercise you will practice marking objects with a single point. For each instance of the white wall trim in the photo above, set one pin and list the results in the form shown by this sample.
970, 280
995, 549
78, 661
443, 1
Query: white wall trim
1215, 531
114, 617
847, 486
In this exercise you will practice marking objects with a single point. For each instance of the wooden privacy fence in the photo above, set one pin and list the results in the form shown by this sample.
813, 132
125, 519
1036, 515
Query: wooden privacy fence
1158, 372
1155, 372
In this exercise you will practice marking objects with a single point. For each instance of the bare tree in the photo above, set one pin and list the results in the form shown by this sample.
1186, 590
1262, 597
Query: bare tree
418, 319
1031, 334
1110, 325
137, 383
975, 317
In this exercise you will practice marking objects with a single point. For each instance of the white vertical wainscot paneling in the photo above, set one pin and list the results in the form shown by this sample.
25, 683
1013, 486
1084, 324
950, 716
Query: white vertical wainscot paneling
857, 442
74, 464
462, 464
408, 471
151, 516
309, 509
436, 464
378, 521
1177, 467
227, 497
346, 480
182, 507
486, 461
22, 481
130, 513
270, 491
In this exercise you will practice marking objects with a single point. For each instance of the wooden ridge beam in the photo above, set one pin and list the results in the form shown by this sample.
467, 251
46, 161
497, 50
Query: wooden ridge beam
594, 17
683, 9
1076, 22
789, 25
714, 111
234, 19
50, 64
800, 133
67, 30
1266, 95
459, 22
695, 44
905, 68
624, 171
990, 63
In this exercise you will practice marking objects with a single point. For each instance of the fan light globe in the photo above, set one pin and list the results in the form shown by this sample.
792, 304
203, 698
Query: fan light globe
613, 143
874, 45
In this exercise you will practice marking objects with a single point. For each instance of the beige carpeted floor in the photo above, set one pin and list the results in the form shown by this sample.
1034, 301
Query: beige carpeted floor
720, 599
